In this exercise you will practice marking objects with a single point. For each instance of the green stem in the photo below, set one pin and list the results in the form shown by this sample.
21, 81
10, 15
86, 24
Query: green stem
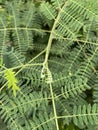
52, 35
54, 107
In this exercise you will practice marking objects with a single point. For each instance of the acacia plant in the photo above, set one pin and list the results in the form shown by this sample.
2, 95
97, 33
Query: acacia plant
49, 64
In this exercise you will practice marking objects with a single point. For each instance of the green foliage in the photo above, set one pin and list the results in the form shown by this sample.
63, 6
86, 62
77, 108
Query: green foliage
49, 51
12, 81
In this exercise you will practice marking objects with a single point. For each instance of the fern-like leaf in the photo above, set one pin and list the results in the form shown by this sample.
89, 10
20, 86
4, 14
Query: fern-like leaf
12, 81
84, 115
